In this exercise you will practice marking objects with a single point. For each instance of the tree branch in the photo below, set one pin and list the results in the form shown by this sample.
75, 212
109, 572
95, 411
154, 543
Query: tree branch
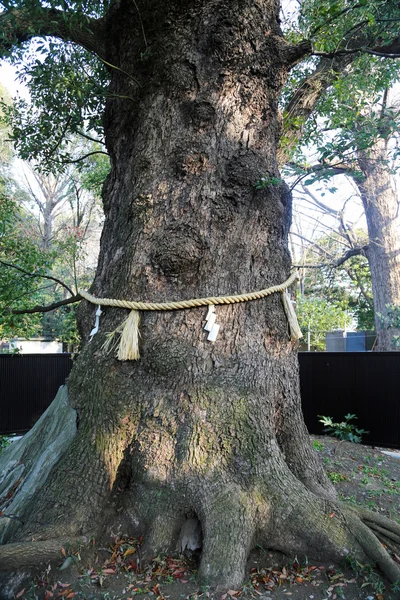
314, 244
338, 168
20, 25
21, 270
335, 17
390, 50
43, 309
325, 208
304, 100
76, 160
61, 137
294, 53
91, 139
11, 302
359, 251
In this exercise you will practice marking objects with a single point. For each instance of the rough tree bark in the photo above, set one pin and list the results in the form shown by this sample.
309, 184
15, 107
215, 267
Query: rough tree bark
193, 429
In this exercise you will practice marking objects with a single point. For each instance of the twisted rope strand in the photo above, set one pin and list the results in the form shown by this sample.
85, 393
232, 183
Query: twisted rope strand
211, 300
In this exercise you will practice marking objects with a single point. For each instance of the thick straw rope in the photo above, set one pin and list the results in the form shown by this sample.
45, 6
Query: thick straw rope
128, 348
191, 303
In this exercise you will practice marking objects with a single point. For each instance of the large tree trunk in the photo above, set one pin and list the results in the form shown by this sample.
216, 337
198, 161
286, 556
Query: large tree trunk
194, 430
381, 207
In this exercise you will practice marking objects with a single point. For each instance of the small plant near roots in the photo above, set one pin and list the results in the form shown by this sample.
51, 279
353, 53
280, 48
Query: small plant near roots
396, 587
344, 430
4, 442
349, 499
354, 565
336, 477
318, 445
370, 577
340, 592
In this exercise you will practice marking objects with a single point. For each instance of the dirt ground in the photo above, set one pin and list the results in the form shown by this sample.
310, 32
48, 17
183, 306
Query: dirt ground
362, 475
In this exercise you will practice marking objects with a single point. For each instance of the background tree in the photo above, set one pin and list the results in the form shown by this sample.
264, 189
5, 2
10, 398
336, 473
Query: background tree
317, 316
339, 104
16, 290
48, 249
332, 252
13, 243
191, 124
371, 164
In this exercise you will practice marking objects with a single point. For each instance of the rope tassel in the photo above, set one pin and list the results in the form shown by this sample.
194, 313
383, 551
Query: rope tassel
129, 343
128, 346
295, 331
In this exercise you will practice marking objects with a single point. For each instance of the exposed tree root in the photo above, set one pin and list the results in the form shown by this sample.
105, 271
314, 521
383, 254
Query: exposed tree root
222, 570
227, 539
289, 503
381, 520
383, 532
393, 548
21, 555
372, 546
386, 530
25, 465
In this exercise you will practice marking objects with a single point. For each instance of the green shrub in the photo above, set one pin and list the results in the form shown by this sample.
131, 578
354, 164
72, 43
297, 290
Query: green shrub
343, 430
4, 442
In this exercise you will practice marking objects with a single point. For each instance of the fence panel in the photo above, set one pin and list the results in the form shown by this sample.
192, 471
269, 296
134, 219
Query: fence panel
28, 384
332, 384
363, 383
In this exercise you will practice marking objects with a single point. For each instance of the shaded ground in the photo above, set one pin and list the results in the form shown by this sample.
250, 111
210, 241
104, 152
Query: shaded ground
363, 475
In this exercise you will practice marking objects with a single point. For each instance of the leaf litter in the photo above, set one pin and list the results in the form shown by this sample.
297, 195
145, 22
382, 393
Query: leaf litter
117, 573
121, 577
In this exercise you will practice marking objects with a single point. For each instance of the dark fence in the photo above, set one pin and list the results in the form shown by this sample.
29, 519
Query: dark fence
362, 383
28, 384
332, 384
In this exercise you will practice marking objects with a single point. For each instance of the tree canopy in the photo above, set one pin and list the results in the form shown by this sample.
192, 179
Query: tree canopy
342, 50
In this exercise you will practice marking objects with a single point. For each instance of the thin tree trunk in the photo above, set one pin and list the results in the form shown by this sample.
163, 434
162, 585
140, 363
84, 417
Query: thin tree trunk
381, 207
